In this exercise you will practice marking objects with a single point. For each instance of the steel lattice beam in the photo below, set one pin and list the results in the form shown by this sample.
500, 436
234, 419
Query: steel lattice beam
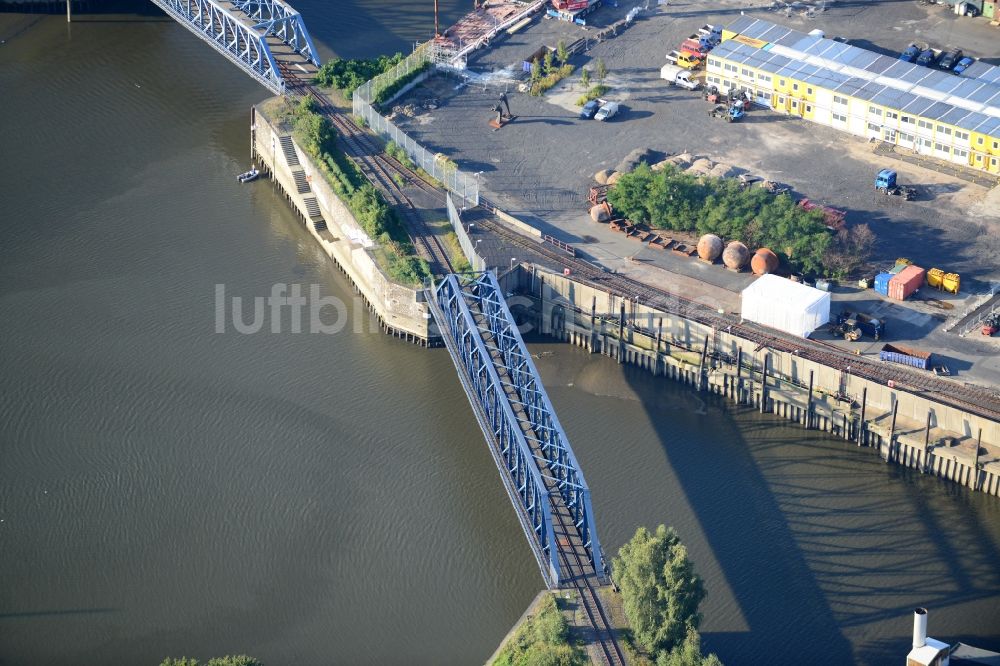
526, 482
240, 31
557, 461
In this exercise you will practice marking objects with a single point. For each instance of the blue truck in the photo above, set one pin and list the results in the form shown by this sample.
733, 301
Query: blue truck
906, 356
886, 183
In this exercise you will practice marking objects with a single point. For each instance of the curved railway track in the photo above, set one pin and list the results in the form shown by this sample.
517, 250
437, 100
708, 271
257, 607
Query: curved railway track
379, 169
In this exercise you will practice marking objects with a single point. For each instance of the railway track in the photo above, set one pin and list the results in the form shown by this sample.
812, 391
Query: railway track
973, 399
379, 169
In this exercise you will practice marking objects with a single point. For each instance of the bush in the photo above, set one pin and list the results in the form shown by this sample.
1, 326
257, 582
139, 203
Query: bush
680, 201
595, 91
553, 76
347, 75
541, 640
390, 89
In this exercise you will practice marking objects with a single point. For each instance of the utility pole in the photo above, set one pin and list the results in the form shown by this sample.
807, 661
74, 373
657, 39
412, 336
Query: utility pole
69, 11
437, 33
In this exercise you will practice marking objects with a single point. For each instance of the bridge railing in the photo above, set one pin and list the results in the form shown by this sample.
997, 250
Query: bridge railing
561, 462
437, 165
522, 478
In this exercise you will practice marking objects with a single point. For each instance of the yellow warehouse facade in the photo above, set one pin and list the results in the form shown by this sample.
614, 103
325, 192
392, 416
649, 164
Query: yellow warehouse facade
941, 114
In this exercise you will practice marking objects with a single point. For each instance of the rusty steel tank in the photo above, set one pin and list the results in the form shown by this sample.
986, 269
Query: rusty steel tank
709, 247
764, 261
735, 256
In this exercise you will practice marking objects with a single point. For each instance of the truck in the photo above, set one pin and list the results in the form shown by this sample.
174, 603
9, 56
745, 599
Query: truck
685, 60
886, 183
573, 10
712, 32
865, 325
607, 110
678, 76
905, 356
697, 44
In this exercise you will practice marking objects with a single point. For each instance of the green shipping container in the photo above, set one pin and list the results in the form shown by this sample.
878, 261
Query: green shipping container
989, 9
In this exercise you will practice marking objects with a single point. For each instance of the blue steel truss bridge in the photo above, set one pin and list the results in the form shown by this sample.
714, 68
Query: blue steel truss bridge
529, 446
260, 36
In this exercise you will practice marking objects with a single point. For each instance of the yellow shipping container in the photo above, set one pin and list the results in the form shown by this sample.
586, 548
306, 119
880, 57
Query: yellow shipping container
934, 278
951, 282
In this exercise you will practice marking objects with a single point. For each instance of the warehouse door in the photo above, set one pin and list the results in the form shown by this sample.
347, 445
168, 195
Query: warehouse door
889, 134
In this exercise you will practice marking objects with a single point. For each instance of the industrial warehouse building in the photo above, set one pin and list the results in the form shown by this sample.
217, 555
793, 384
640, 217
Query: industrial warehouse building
936, 113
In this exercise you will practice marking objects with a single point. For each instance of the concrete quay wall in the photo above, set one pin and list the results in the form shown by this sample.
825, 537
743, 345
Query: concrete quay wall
401, 310
906, 428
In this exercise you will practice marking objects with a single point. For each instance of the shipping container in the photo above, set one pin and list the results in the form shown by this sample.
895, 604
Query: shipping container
906, 356
898, 268
788, 306
934, 277
907, 281
882, 283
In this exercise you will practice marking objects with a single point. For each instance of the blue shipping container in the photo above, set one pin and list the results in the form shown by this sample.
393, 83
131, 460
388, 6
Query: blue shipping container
882, 283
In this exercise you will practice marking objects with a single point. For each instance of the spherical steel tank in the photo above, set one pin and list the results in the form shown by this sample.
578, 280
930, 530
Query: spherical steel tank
709, 247
735, 256
764, 261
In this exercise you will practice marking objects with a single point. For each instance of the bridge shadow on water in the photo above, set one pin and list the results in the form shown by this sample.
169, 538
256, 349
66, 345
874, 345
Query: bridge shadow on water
813, 551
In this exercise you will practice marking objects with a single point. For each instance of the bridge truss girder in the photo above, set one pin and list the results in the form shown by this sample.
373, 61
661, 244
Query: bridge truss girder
559, 457
522, 478
242, 36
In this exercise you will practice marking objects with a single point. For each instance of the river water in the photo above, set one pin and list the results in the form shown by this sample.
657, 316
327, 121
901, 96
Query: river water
314, 499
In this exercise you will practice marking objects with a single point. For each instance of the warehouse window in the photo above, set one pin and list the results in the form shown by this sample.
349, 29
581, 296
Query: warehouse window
925, 124
809, 108
839, 117
764, 77
747, 73
874, 127
713, 62
839, 100
962, 136
944, 130
926, 143
980, 141
781, 82
958, 152
907, 119
941, 147
809, 91
795, 86
875, 110
892, 115
996, 145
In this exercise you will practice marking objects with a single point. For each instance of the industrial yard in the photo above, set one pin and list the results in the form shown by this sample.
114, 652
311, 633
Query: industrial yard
541, 166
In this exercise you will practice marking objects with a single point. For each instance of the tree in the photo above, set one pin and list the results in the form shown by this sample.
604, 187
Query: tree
601, 71
585, 77
548, 57
660, 589
562, 53
536, 70
688, 653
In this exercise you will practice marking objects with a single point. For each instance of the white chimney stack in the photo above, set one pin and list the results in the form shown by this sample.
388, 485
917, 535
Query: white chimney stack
919, 627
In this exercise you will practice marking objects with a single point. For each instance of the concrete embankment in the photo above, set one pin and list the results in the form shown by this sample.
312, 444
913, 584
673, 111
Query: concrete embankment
905, 426
401, 310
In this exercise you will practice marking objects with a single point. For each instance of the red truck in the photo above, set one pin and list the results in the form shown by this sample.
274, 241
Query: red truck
834, 219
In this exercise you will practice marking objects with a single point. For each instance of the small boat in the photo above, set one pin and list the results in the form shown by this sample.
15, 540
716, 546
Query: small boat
248, 176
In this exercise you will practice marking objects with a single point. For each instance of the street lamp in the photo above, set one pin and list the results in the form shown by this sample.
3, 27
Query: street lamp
512, 260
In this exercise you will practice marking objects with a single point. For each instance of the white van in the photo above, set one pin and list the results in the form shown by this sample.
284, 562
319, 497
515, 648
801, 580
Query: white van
678, 76
607, 111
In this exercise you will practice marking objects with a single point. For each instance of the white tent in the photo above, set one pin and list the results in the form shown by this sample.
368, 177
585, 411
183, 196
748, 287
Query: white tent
788, 306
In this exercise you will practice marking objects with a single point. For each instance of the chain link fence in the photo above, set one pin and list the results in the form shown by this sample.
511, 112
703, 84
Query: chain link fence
436, 165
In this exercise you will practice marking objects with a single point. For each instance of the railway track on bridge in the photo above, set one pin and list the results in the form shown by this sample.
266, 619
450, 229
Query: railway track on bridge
379, 168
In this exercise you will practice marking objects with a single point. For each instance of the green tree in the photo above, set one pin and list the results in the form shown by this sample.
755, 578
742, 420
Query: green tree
562, 53
536, 69
601, 70
548, 58
228, 660
660, 589
585, 77
688, 653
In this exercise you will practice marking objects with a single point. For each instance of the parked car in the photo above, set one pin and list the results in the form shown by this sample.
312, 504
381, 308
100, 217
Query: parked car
950, 59
607, 111
910, 53
927, 58
589, 109
963, 64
